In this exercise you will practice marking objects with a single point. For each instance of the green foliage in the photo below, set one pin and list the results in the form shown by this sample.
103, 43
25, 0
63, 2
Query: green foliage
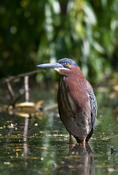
21, 29
40, 31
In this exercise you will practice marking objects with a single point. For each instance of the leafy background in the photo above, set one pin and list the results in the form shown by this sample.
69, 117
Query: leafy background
33, 32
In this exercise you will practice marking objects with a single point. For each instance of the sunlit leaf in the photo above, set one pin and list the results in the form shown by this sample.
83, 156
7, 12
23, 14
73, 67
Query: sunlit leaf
90, 15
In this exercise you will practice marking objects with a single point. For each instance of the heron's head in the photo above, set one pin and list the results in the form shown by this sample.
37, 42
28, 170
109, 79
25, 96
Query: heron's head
63, 66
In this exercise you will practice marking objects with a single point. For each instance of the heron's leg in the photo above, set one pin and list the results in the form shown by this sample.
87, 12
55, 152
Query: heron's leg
84, 143
70, 141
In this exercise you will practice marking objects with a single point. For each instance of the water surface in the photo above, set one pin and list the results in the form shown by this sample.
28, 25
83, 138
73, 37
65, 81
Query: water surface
41, 147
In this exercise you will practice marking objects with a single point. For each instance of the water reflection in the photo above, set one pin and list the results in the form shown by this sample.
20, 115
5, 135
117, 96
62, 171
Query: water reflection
25, 141
39, 145
80, 161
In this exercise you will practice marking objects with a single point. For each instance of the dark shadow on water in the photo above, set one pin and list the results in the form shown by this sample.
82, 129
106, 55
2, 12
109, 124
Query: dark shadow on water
80, 161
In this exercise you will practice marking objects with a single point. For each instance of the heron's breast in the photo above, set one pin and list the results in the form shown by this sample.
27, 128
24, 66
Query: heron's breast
67, 99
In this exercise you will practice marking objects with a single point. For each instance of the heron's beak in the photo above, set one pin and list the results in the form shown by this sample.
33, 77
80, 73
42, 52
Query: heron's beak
56, 66
50, 65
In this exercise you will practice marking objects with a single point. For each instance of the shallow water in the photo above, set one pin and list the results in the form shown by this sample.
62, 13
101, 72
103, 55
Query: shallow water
41, 147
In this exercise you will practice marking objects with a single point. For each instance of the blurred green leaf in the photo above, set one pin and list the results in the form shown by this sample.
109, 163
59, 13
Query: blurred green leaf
34, 32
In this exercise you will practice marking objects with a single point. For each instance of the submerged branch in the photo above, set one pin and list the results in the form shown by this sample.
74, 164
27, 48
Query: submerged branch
26, 87
13, 97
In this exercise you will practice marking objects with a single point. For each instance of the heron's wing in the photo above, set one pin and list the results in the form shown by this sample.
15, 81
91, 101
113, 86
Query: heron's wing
93, 104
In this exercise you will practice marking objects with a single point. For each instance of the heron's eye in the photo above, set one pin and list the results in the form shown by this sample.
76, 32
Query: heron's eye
67, 64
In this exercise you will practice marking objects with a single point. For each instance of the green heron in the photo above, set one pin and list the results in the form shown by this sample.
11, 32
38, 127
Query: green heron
76, 100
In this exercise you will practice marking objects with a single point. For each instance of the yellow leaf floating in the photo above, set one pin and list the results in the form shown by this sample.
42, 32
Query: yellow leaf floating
29, 107
25, 109
25, 104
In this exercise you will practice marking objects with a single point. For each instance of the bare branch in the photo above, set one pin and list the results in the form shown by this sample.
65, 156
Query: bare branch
20, 76
26, 87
